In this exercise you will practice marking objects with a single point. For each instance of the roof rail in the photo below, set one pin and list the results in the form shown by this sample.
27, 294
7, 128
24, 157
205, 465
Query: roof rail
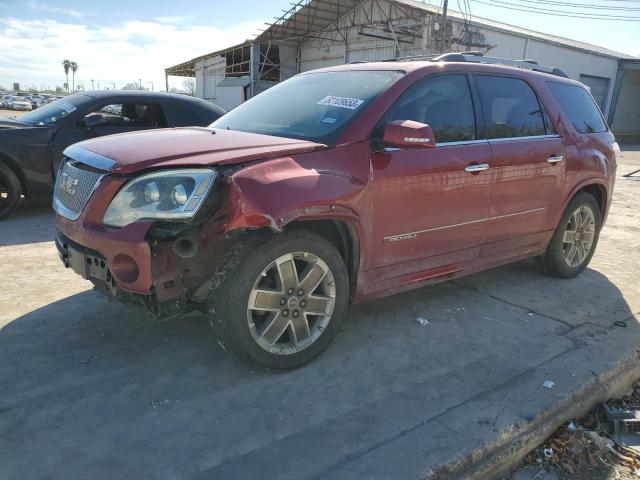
478, 57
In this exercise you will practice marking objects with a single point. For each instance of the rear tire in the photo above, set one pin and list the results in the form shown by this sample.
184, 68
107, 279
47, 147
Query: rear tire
276, 301
10, 190
574, 240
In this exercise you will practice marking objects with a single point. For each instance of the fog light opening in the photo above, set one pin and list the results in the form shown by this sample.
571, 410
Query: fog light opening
185, 247
125, 268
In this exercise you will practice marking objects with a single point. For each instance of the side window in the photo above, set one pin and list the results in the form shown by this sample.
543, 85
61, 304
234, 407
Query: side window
132, 115
511, 108
443, 102
579, 106
599, 88
181, 116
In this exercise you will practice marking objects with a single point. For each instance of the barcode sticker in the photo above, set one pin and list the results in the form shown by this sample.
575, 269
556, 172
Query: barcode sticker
341, 102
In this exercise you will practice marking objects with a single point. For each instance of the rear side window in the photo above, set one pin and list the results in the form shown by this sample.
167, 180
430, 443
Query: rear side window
443, 102
181, 116
579, 106
510, 106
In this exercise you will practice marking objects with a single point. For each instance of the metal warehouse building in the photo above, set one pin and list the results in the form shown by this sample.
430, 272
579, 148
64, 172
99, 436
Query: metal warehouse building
321, 33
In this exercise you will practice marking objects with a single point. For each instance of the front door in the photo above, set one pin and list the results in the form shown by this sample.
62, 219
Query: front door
431, 206
528, 165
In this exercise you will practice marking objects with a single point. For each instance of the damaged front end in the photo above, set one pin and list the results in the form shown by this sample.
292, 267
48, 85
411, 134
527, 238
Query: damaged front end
161, 265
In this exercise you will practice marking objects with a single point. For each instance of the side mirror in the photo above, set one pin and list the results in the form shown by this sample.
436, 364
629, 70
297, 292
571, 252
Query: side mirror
408, 134
93, 120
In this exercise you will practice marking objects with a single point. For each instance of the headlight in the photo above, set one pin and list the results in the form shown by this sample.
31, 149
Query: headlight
166, 195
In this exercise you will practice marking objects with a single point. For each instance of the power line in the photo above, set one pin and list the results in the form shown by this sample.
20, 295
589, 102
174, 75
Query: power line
578, 5
605, 16
558, 13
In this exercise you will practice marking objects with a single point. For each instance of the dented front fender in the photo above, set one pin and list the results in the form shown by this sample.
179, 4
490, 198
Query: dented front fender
309, 186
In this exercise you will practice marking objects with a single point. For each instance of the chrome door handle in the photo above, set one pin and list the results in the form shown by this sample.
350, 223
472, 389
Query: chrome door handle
555, 159
477, 168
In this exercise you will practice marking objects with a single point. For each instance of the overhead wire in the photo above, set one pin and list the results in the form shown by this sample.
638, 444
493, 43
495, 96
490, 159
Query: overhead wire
558, 13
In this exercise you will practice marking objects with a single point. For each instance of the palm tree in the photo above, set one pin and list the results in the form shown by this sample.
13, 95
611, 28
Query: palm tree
67, 65
74, 68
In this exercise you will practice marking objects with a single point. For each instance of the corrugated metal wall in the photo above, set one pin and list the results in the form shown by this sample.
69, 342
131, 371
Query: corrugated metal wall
626, 121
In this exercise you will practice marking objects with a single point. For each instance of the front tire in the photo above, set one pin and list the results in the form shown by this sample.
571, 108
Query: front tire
10, 190
276, 301
574, 240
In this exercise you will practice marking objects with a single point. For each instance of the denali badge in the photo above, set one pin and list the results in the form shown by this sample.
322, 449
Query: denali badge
67, 183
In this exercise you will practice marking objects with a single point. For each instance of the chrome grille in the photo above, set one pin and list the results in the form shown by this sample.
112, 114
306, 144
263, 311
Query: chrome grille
74, 186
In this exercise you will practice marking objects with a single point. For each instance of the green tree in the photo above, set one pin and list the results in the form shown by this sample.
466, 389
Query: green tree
66, 64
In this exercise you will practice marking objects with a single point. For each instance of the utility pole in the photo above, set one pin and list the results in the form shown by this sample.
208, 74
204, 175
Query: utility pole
92, 88
443, 28
114, 85
140, 83
151, 85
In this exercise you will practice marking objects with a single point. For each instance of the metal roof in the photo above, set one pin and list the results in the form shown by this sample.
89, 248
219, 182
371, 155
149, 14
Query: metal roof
307, 18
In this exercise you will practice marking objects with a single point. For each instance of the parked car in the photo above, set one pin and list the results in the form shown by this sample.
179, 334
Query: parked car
36, 102
337, 186
20, 103
5, 101
31, 146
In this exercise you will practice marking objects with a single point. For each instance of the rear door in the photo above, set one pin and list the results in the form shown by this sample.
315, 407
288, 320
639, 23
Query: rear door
528, 164
429, 210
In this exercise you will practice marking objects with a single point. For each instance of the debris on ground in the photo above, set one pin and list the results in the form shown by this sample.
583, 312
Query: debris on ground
604, 444
423, 322
548, 384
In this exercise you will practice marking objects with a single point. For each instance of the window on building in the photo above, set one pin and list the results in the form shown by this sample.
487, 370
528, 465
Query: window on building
599, 87
579, 106
510, 106
443, 102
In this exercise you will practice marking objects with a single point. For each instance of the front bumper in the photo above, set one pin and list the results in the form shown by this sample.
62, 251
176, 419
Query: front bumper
125, 252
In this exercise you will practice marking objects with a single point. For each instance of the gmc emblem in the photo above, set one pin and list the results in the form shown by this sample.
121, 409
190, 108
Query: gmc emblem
68, 183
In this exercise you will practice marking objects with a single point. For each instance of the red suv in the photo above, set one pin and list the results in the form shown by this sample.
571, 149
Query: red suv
337, 186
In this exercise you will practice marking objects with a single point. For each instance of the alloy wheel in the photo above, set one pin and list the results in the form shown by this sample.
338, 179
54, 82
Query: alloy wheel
291, 303
579, 235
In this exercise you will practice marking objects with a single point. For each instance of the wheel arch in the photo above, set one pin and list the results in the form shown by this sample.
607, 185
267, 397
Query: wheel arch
15, 168
597, 188
342, 235
599, 192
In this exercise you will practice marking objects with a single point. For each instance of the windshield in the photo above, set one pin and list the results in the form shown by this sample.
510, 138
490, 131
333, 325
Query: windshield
315, 106
52, 113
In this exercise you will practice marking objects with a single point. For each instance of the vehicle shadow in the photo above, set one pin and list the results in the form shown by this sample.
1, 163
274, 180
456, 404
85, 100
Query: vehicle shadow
28, 224
91, 385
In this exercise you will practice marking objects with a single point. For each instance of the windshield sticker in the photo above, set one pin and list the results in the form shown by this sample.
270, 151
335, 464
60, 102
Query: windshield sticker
329, 120
341, 102
67, 107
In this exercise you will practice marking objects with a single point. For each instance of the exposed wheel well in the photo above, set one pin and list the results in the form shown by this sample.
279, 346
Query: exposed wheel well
598, 192
13, 165
343, 237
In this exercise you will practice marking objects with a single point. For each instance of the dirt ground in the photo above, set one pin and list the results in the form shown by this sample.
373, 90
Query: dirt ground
574, 452
89, 385
10, 113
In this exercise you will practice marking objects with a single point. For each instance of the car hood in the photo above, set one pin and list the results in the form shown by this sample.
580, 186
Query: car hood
193, 146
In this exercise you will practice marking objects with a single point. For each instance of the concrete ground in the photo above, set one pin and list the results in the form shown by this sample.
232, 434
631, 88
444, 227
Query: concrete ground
91, 389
